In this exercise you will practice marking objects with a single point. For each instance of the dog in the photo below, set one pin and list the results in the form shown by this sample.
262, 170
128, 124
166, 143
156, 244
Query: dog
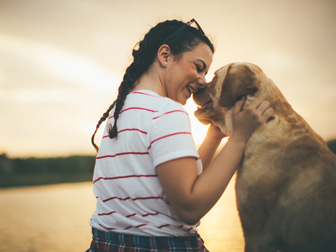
286, 183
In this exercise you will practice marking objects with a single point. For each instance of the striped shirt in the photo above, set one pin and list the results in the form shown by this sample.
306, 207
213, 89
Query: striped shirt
151, 130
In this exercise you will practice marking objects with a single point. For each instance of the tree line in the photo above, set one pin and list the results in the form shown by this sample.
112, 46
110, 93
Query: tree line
40, 171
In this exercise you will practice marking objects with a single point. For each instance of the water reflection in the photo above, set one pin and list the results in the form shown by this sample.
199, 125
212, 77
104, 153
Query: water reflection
55, 219
220, 228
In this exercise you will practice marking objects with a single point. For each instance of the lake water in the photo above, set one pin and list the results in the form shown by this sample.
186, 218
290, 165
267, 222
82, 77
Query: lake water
55, 219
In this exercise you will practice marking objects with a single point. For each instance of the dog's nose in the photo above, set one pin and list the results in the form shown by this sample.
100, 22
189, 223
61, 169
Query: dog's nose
199, 91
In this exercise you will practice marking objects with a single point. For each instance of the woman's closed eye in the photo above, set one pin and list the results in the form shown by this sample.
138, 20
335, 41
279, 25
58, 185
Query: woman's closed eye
198, 68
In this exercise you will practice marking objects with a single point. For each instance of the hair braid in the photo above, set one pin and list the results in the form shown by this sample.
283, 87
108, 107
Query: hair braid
143, 58
101, 120
131, 75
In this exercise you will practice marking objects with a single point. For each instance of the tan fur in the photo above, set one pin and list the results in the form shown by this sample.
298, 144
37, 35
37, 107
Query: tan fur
286, 186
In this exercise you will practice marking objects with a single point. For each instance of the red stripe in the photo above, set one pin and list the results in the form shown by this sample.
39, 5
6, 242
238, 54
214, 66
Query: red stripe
133, 199
137, 108
123, 153
122, 177
107, 213
131, 215
136, 92
174, 134
141, 131
173, 111
166, 225
152, 214
141, 225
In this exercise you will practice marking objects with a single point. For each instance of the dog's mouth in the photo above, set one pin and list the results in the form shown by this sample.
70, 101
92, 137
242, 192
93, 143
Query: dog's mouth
206, 106
204, 112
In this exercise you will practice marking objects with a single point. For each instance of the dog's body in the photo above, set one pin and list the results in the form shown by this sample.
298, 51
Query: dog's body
286, 185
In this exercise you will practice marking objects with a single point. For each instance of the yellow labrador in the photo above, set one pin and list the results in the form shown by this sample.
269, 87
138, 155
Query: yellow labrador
286, 185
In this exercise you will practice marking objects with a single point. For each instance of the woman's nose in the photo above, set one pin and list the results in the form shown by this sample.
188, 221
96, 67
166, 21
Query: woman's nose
202, 81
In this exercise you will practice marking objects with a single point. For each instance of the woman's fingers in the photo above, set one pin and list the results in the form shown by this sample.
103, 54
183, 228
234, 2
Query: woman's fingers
238, 105
268, 113
265, 110
245, 121
263, 105
262, 108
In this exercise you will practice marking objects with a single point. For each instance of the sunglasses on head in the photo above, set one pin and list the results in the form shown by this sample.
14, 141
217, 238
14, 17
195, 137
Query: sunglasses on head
183, 27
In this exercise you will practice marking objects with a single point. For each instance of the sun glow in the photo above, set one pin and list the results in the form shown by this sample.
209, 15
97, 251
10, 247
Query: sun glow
198, 129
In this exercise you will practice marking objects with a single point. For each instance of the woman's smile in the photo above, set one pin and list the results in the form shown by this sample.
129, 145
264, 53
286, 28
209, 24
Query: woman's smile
186, 74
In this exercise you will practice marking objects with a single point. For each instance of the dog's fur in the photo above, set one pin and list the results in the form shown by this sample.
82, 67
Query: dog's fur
286, 185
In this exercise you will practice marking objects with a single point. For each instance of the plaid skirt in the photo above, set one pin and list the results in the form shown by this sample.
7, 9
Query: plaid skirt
111, 241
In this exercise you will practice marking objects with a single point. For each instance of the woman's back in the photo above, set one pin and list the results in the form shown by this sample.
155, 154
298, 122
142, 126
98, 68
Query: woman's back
129, 196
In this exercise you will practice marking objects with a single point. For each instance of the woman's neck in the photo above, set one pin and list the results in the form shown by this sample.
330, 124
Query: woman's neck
151, 81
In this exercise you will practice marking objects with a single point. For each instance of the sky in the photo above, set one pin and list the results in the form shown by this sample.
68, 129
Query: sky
61, 61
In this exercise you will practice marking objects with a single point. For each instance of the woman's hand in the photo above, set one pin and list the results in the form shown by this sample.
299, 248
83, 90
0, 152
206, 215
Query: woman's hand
246, 121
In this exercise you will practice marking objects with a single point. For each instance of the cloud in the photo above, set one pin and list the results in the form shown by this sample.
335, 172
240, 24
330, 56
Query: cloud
48, 95
61, 62
37, 60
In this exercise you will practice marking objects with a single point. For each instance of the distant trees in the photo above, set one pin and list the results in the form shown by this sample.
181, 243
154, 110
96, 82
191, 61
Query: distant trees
40, 171
37, 171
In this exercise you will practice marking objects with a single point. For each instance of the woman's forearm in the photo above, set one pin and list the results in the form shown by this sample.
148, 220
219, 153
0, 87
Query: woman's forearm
211, 184
209, 146
192, 195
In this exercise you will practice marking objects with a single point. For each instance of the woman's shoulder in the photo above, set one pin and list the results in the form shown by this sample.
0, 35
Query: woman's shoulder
159, 103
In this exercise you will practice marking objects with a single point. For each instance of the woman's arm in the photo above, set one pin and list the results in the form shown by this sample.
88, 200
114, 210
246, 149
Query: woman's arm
210, 144
192, 195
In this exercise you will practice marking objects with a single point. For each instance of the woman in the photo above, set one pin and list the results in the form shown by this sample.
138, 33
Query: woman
152, 186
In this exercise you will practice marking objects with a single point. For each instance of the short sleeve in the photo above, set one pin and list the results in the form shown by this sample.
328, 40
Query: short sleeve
170, 134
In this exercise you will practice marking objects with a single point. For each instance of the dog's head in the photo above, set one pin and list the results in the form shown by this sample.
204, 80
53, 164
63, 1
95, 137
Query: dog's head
230, 83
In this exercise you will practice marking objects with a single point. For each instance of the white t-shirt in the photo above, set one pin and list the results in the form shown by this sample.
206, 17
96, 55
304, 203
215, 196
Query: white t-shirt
151, 130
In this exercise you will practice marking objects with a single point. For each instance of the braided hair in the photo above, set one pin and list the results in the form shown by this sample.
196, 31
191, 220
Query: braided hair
144, 56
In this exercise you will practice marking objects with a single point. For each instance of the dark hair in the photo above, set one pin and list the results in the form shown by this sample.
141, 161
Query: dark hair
144, 56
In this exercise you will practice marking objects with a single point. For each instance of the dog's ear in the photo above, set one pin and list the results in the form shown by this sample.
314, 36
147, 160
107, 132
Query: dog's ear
240, 81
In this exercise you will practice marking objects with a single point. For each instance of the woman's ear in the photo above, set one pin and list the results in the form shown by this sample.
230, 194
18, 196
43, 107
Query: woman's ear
164, 55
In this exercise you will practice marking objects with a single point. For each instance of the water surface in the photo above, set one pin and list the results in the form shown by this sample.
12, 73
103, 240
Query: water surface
55, 219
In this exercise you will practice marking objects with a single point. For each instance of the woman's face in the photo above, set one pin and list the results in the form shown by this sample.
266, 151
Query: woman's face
187, 73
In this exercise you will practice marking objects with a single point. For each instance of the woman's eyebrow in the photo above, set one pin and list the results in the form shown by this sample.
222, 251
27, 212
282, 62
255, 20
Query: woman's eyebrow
204, 65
